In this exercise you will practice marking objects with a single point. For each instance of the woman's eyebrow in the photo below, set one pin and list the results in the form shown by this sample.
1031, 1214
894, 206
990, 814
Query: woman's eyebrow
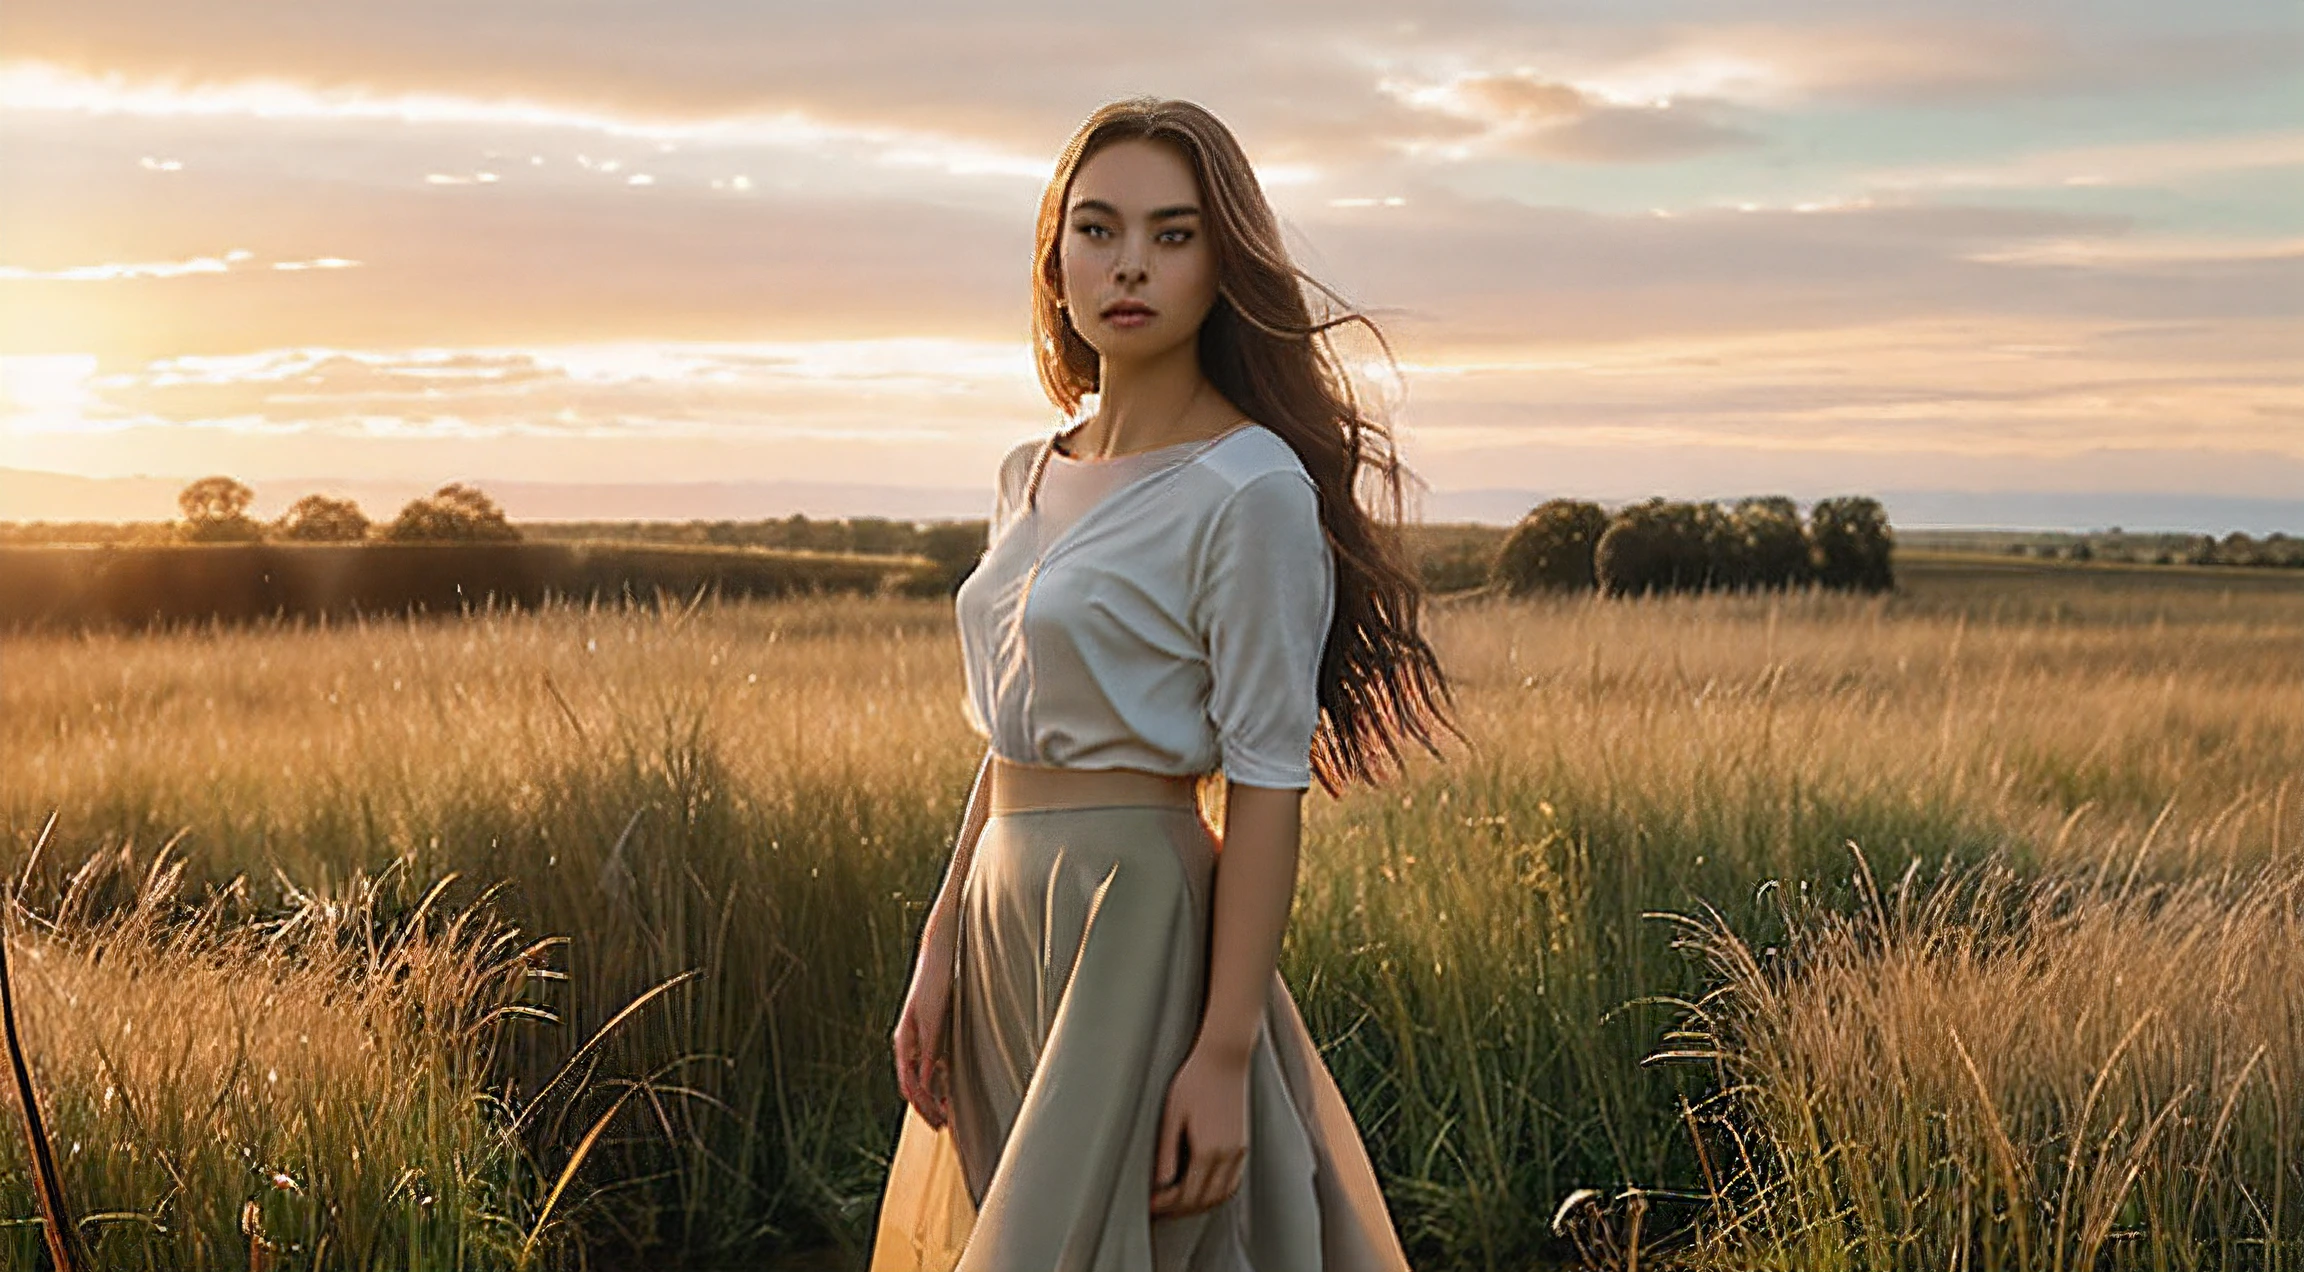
1158, 214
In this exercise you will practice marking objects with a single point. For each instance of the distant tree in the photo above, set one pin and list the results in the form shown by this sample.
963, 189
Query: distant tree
955, 547
319, 519
1775, 548
455, 513
1852, 544
1659, 546
814, 536
1719, 557
2236, 549
216, 511
1552, 549
878, 536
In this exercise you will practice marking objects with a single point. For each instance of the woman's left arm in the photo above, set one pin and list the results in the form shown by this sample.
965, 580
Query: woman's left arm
1255, 886
1266, 596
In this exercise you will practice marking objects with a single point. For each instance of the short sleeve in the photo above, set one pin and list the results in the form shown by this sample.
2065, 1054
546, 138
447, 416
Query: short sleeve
1008, 488
1265, 597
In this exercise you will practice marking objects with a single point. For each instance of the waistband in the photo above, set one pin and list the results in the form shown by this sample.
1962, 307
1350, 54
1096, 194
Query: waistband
1012, 787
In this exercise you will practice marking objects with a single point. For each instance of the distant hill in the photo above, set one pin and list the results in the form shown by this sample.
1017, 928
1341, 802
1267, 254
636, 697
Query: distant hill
27, 495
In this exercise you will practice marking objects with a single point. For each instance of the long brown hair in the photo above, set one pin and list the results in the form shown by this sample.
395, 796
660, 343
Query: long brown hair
1379, 681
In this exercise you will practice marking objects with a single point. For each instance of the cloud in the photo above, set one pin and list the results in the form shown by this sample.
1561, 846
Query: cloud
2138, 163
1471, 270
548, 255
1300, 90
1624, 135
112, 271
37, 87
696, 69
659, 388
1787, 60
584, 232
1524, 114
563, 254
1977, 60
1975, 401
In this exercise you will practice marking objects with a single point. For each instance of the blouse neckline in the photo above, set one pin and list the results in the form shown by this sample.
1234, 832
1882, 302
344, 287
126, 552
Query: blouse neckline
1056, 454
1199, 446
1092, 461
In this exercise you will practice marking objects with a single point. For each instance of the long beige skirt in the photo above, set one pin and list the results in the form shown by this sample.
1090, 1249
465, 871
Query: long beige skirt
1080, 973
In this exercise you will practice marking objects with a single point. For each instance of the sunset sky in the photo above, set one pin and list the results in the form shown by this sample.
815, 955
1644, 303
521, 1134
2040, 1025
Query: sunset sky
1621, 249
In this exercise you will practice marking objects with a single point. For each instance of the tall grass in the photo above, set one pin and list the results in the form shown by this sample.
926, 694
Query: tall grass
759, 799
1980, 1071
233, 1089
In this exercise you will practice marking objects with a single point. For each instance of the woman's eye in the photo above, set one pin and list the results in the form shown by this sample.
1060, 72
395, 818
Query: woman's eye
1171, 236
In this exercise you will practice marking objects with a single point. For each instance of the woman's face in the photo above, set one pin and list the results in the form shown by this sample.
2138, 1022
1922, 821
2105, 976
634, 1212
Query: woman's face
1132, 233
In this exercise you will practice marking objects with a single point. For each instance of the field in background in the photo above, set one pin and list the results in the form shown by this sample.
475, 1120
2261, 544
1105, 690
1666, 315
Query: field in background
66, 574
2064, 1032
62, 587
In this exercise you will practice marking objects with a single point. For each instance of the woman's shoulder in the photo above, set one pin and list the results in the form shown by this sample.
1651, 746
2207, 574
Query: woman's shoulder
1256, 490
1249, 452
1016, 466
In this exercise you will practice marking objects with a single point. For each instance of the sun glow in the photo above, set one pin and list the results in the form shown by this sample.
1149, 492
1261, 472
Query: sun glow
44, 392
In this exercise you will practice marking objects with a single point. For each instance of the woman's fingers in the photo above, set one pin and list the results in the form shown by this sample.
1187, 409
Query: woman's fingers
930, 1062
919, 1063
903, 1047
1167, 1157
1223, 1181
1206, 1184
929, 1082
1228, 1182
1189, 1189
1207, 1175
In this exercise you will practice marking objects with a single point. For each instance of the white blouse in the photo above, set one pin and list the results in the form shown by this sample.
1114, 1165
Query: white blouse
1175, 625
1069, 487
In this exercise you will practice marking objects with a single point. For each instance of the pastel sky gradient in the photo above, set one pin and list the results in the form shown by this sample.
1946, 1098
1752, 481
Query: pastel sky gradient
1620, 249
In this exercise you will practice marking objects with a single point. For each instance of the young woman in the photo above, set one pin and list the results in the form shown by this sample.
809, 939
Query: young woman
1103, 1068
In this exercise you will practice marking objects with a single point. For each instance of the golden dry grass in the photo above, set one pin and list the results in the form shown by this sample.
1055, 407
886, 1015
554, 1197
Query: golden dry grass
1986, 1071
763, 795
227, 1090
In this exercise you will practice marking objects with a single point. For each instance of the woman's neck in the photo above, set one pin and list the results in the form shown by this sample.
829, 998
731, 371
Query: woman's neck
1144, 406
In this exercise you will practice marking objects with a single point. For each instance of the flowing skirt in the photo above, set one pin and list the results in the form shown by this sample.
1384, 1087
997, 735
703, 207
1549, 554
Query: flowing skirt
1080, 973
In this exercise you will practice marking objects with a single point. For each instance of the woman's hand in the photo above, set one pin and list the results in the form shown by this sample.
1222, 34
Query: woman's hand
922, 1068
1203, 1134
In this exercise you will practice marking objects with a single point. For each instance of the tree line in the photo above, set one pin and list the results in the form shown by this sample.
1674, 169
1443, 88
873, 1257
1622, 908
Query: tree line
2275, 550
216, 511
1758, 543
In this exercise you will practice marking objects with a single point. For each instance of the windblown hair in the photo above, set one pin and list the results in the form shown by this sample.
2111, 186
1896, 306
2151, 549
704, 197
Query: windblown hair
1379, 681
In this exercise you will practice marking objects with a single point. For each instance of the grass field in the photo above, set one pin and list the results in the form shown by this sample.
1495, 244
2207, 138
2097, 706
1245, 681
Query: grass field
1956, 927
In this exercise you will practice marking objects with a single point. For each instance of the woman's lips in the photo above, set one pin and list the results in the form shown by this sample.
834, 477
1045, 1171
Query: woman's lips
1128, 316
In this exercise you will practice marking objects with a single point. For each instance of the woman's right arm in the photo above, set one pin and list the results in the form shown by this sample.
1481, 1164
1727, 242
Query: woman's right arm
919, 1041
943, 915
